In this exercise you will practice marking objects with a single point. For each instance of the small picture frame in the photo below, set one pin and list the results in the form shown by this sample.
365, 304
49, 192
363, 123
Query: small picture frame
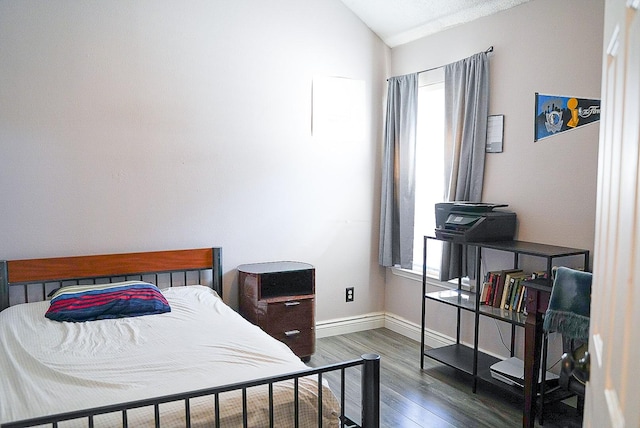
495, 133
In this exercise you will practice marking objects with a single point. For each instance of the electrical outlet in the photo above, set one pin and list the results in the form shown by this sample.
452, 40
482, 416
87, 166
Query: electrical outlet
349, 294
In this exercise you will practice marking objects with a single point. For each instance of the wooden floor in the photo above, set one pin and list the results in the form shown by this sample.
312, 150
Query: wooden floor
438, 396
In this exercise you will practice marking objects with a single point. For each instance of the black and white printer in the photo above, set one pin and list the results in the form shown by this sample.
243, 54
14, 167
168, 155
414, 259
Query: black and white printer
462, 222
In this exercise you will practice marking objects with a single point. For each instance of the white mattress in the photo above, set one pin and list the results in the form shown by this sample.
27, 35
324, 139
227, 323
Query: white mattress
50, 367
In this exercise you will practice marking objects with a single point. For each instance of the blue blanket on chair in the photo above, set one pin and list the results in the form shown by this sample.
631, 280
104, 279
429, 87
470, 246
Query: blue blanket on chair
570, 303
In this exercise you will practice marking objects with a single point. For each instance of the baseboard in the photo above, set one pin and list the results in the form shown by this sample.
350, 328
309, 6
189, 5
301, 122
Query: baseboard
370, 321
350, 325
432, 338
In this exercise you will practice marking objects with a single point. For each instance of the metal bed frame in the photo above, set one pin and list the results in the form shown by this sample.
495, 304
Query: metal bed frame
34, 279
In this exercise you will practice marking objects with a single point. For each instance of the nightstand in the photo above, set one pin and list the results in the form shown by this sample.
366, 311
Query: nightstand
279, 297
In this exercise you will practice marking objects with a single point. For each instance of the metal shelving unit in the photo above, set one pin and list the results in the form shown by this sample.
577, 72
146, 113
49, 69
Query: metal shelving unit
468, 359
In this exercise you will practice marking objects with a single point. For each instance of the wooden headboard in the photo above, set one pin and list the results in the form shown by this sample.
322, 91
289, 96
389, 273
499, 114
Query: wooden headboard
28, 280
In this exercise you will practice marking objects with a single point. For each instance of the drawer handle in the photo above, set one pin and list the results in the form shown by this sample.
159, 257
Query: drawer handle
292, 333
291, 303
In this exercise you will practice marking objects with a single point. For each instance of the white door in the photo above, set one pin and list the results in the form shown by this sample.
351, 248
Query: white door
613, 391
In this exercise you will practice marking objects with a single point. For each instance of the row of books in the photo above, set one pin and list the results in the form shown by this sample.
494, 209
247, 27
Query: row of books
504, 289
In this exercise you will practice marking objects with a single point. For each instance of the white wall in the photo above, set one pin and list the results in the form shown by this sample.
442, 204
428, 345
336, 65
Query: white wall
541, 46
158, 124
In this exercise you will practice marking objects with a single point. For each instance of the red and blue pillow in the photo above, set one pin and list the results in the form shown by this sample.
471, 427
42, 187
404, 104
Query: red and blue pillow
78, 303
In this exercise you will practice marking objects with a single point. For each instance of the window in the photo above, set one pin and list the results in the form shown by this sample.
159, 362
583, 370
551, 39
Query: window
429, 167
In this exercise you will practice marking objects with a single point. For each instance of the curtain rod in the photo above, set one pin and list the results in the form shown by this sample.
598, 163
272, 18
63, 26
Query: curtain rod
489, 50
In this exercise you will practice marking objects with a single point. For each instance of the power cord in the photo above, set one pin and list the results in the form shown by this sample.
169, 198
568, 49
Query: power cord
509, 349
500, 334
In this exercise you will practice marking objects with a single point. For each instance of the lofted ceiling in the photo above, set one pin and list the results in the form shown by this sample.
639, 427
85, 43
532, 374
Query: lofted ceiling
401, 21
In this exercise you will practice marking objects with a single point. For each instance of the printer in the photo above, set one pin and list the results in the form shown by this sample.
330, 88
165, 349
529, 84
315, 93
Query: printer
462, 222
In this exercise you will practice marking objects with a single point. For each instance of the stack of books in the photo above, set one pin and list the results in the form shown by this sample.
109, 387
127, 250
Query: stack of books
504, 289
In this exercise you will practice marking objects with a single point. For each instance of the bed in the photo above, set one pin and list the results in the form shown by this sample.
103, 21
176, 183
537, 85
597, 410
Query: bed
166, 351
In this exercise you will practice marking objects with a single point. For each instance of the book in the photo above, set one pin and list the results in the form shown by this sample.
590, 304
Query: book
522, 302
489, 293
497, 292
483, 292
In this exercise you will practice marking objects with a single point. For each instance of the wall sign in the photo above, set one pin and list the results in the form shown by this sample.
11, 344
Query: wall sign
556, 114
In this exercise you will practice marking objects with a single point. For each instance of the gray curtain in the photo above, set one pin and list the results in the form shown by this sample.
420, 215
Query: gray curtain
466, 87
397, 205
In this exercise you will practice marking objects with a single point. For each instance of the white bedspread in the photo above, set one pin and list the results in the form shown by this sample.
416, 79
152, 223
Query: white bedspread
50, 367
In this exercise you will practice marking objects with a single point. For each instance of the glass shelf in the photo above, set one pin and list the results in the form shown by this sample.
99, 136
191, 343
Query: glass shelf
458, 298
513, 317
467, 300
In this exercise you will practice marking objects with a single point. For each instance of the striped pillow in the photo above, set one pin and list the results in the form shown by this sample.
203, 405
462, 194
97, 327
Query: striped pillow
78, 303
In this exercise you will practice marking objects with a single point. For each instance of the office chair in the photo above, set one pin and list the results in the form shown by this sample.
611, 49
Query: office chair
568, 314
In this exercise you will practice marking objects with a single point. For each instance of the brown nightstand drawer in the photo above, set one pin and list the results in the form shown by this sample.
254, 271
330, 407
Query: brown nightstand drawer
289, 315
301, 342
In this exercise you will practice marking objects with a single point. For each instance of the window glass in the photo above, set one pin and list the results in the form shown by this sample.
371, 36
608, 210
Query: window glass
429, 167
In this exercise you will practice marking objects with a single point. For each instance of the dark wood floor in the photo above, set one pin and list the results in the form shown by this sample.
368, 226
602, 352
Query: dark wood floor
437, 396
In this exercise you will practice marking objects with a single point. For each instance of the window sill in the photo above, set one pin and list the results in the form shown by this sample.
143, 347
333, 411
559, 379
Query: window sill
407, 273
417, 277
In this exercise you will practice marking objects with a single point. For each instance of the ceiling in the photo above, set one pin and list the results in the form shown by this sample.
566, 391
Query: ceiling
401, 21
